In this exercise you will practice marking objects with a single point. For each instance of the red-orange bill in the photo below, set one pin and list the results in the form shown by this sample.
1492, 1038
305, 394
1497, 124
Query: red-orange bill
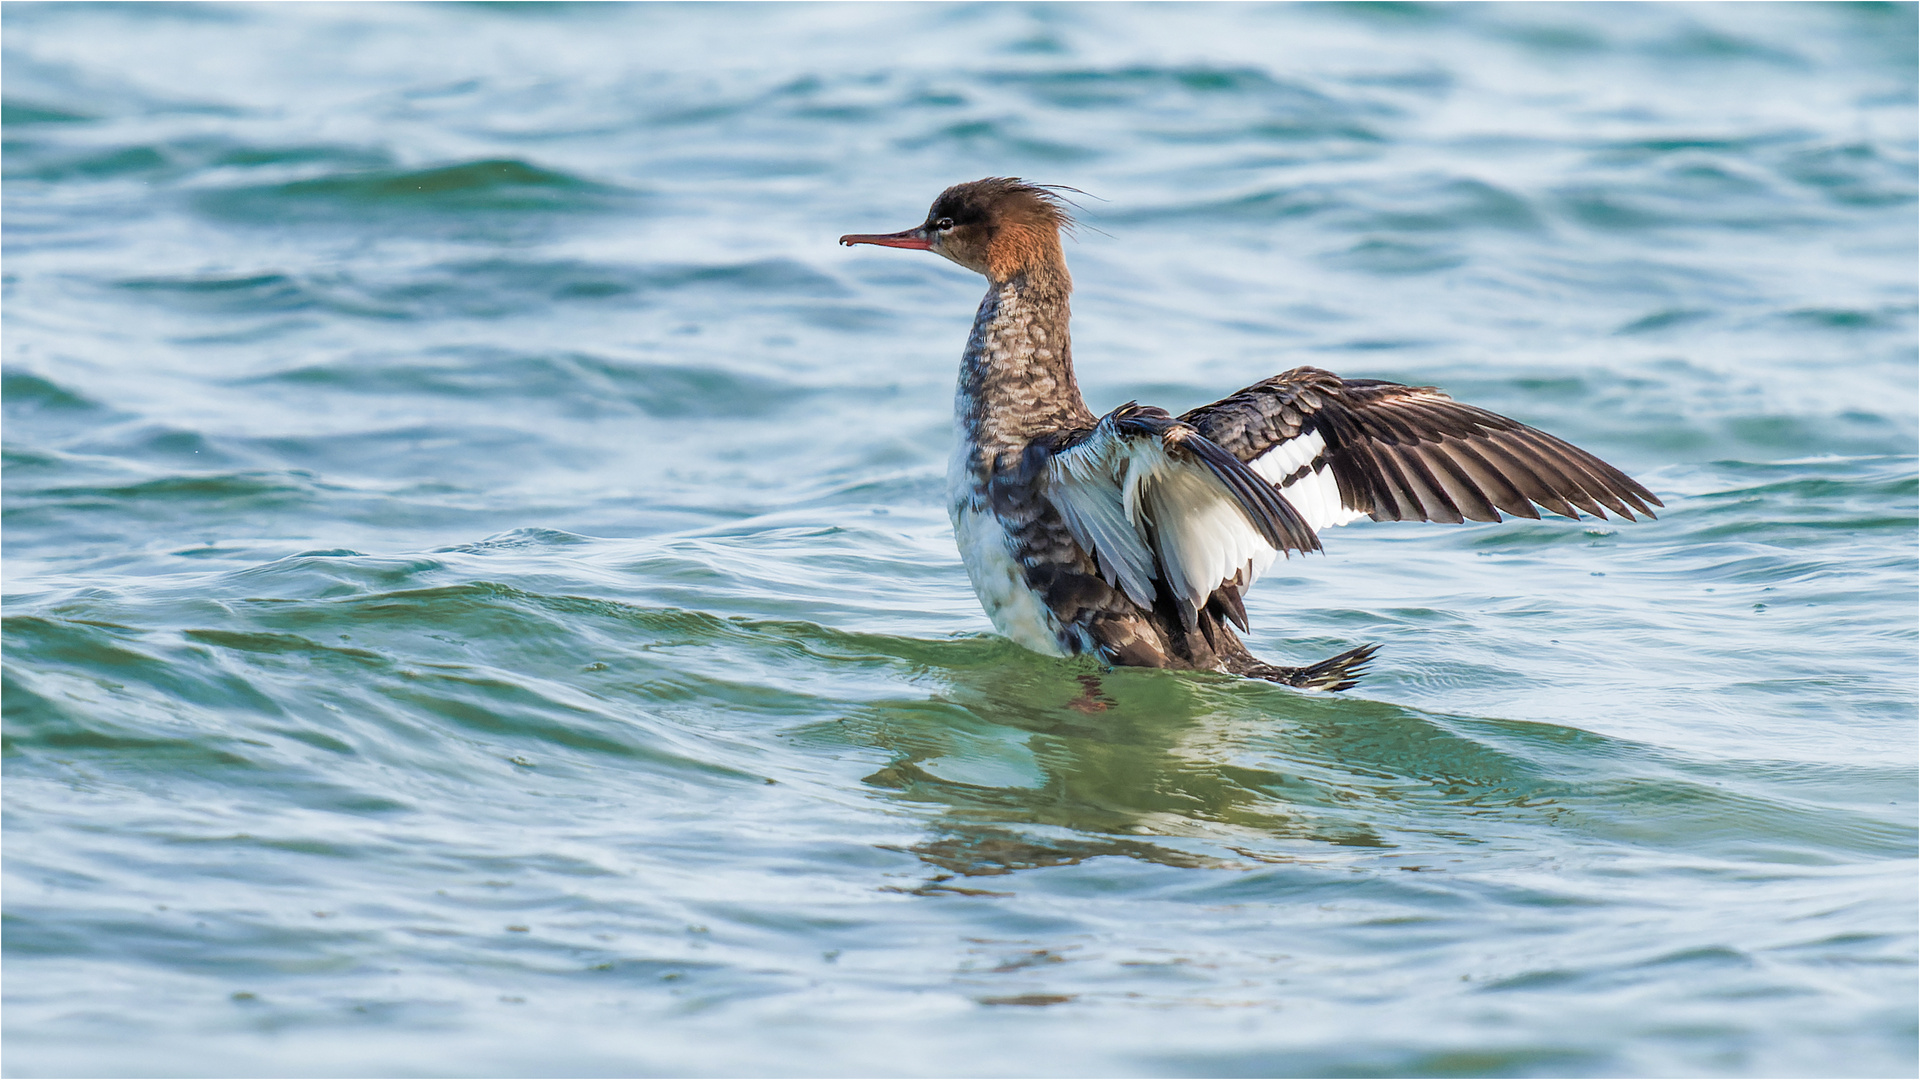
909, 238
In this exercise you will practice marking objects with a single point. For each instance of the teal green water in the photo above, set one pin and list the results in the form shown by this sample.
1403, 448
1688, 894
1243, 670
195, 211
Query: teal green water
479, 599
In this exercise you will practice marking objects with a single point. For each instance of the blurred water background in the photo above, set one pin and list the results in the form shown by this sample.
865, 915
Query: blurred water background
479, 599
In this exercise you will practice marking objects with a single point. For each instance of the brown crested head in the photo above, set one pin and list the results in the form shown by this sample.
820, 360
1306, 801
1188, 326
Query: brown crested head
1000, 226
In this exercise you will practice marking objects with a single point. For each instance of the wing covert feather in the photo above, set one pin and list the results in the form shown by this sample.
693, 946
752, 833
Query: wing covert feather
1154, 500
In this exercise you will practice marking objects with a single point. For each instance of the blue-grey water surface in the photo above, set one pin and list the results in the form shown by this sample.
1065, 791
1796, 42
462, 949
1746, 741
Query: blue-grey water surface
479, 598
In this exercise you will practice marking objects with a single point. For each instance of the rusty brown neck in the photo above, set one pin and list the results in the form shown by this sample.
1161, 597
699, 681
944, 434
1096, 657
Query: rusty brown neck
1016, 378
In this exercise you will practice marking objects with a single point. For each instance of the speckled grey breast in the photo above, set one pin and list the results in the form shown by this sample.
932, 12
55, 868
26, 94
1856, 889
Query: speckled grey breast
1017, 400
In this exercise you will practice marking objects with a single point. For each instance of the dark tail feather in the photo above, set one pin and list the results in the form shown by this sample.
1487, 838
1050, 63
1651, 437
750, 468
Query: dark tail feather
1334, 673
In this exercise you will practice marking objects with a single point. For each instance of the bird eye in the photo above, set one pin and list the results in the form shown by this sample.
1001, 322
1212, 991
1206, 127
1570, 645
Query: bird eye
943, 224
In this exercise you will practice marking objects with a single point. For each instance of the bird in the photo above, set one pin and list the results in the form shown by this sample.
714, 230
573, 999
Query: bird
1132, 537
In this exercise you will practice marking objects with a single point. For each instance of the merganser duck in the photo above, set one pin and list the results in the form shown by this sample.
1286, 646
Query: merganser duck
1131, 536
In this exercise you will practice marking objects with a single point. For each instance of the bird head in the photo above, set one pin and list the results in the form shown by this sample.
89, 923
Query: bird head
1000, 227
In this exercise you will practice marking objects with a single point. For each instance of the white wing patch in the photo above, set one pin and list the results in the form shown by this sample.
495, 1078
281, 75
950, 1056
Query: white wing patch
1316, 494
1203, 535
1085, 486
1143, 511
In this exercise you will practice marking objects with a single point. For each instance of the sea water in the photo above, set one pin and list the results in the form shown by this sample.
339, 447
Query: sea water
479, 598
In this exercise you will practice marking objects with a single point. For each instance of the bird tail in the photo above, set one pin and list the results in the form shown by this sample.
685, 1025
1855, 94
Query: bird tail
1334, 673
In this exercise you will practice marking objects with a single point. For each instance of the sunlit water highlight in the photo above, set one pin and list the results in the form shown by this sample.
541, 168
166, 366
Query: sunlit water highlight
478, 596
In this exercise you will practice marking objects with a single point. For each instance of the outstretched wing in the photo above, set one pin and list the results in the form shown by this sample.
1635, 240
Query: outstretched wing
1154, 500
1342, 449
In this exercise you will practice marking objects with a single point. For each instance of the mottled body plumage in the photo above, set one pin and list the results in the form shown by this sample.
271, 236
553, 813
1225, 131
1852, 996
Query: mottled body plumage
1015, 395
1016, 404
